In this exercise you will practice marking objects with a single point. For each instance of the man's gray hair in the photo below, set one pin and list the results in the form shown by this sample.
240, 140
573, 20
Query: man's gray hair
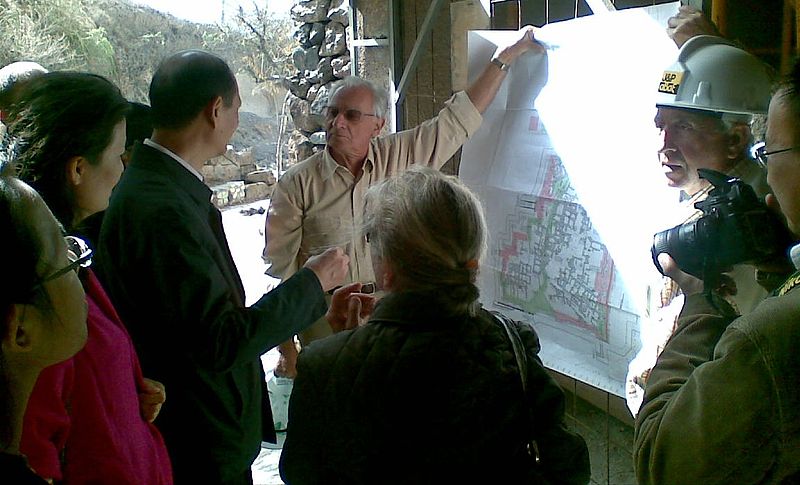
728, 123
379, 95
17, 72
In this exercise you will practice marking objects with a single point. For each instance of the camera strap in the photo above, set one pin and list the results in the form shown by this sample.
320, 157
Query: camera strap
790, 283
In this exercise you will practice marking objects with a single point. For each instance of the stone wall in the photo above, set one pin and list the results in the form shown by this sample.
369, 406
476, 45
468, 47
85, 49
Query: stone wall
235, 179
321, 58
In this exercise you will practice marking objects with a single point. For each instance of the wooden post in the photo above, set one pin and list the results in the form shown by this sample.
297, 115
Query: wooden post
719, 15
787, 34
797, 26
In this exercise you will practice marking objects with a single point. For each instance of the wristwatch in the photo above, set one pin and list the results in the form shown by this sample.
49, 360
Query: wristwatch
502, 65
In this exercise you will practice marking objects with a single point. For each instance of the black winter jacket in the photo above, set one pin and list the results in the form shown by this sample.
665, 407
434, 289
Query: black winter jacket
419, 396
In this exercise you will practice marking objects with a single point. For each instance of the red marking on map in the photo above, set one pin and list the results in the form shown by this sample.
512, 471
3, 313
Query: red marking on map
564, 318
604, 278
533, 125
512, 250
553, 169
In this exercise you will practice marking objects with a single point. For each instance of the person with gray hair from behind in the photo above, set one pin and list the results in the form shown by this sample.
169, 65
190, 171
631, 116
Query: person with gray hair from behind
319, 203
365, 407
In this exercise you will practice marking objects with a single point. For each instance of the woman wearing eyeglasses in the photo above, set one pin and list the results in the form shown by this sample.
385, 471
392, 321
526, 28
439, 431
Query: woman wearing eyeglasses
428, 390
43, 308
90, 419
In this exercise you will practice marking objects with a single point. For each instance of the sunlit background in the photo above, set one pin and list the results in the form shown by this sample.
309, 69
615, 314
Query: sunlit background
212, 11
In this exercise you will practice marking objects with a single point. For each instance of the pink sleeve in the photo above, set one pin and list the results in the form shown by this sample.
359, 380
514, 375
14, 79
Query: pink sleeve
47, 421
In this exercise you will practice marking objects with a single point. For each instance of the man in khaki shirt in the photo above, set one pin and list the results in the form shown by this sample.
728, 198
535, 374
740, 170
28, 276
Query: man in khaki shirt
319, 203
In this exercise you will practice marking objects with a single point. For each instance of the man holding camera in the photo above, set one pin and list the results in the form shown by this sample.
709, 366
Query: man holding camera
722, 402
706, 104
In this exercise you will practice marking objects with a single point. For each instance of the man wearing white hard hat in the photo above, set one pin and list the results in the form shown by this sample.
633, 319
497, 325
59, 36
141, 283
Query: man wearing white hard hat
721, 405
707, 101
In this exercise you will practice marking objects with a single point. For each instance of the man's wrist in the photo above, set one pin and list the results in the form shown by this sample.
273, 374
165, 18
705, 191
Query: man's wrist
506, 55
503, 66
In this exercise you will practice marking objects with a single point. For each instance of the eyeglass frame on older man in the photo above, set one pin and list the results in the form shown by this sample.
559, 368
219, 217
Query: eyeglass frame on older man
82, 258
760, 154
351, 114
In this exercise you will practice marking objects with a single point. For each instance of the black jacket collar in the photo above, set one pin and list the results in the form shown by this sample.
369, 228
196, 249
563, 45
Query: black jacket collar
151, 160
429, 307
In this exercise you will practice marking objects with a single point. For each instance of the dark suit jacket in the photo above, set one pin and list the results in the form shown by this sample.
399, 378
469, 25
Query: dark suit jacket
169, 271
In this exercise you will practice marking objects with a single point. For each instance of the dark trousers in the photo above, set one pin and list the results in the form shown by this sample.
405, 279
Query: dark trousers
245, 478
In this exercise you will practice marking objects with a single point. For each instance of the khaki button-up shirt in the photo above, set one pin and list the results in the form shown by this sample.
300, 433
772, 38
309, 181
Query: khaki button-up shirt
318, 204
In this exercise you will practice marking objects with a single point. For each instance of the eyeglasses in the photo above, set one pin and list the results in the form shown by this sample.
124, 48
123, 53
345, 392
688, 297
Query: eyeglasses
353, 115
760, 153
79, 255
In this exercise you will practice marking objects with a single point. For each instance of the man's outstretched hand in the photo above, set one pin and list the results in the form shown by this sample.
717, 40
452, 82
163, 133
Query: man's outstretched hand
687, 23
349, 308
330, 267
525, 41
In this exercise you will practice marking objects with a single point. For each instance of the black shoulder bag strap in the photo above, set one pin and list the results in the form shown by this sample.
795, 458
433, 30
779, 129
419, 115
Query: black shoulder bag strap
522, 366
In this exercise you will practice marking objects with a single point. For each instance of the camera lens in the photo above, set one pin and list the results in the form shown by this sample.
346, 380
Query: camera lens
685, 244
736, 227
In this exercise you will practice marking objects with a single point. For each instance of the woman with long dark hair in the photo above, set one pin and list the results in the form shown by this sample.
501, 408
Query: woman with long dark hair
90, 419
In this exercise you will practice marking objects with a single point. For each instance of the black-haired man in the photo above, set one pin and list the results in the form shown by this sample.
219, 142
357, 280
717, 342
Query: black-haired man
170, 273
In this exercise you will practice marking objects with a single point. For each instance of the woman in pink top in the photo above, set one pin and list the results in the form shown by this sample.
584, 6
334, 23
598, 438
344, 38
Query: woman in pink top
89, 419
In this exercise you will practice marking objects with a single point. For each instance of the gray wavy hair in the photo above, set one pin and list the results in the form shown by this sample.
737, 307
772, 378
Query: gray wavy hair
380, 98
431, 230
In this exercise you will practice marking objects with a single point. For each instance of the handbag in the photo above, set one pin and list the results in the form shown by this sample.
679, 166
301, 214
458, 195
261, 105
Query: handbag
569, 452
522, 367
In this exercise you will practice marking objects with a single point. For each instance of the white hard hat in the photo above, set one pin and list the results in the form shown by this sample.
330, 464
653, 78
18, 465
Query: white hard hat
712, 74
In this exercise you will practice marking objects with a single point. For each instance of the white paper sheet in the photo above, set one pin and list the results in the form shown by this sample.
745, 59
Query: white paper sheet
565, 163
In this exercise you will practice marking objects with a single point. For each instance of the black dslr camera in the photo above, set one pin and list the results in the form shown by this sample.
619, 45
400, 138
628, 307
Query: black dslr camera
736, 227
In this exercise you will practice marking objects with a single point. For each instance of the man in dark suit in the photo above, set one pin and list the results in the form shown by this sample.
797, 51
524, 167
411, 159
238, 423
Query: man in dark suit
169, 271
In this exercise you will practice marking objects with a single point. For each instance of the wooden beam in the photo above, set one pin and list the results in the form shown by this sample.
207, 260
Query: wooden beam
719, 15
411, 64
796, 28
787, 33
